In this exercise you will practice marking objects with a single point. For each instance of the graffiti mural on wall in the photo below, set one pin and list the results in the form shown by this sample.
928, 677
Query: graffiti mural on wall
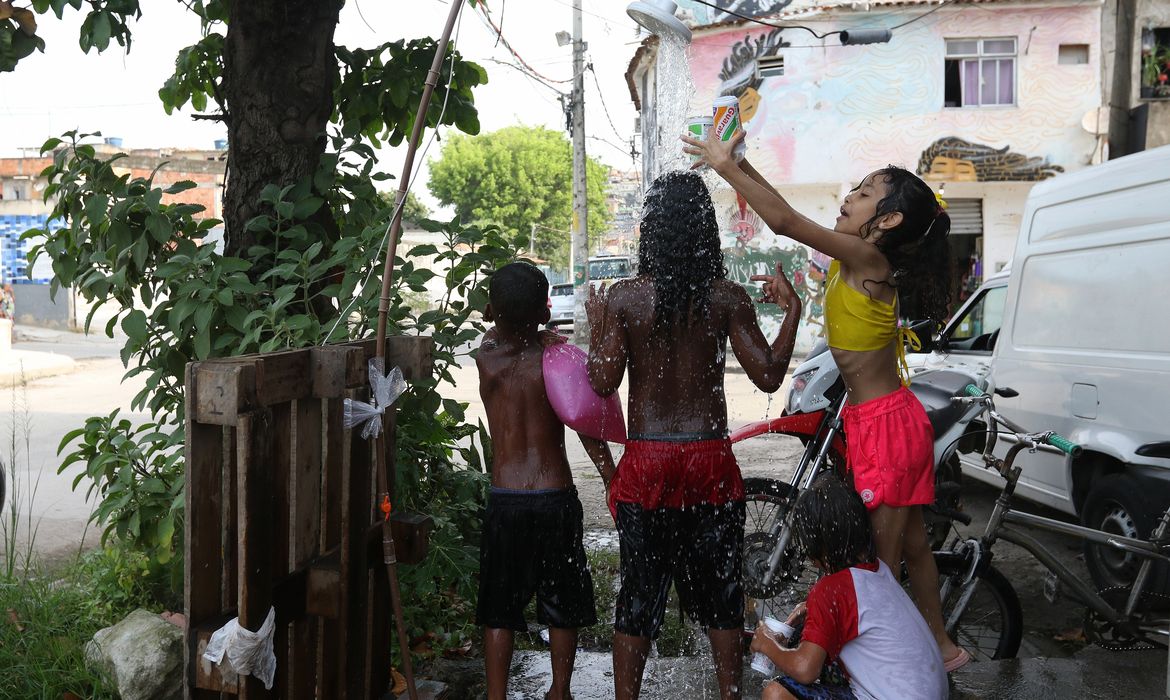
748, 8
741, 75
748, 256
832, 116
952, 158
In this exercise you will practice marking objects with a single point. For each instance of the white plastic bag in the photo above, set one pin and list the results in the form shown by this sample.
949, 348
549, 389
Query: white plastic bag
248, 653
385, 388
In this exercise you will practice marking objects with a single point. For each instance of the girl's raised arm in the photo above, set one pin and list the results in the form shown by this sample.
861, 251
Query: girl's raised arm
775, 210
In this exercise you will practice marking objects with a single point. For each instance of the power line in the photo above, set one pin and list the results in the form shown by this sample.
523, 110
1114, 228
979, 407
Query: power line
604, 106
809, 29
483, 13
525, 74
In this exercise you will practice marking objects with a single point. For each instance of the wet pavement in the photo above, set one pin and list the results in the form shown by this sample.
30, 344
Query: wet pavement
1090, 674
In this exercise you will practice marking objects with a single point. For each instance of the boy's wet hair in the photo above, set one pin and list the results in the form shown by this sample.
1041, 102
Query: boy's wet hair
519, 293
832, 525
918, 249
679, 247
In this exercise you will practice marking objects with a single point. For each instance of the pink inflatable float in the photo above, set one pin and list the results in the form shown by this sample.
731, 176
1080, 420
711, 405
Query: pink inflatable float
566, 381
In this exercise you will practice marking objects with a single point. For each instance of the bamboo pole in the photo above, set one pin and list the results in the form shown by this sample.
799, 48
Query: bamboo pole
389, 556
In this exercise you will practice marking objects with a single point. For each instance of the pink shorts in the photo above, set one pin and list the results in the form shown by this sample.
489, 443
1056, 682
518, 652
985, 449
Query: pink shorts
890, 450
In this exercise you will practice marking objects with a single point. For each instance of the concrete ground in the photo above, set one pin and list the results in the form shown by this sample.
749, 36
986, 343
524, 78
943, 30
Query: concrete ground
76, 376
1093, 674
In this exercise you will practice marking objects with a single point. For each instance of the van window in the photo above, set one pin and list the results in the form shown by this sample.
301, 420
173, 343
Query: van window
974, 330
609, 269
1110, 298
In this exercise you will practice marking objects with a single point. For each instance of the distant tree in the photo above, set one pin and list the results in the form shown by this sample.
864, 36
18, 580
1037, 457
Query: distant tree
520, 178
414, 211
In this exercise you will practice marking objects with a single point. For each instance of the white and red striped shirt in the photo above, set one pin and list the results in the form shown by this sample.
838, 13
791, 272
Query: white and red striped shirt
862, 616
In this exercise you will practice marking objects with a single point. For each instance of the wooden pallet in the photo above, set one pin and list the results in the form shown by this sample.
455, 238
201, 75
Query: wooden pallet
281, 512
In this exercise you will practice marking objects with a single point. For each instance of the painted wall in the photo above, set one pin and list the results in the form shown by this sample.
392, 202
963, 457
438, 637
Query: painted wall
842, 111
839, 112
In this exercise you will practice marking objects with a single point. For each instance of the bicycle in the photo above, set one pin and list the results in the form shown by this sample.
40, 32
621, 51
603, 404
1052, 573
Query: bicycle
980, 607
775, 574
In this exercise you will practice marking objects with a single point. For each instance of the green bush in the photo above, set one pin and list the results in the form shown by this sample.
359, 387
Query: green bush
48, 618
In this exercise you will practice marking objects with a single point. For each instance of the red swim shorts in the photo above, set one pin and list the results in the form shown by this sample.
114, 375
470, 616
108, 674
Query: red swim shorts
890, 450
662, 474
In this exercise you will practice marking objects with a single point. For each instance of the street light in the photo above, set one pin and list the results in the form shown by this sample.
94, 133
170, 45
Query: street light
564, 38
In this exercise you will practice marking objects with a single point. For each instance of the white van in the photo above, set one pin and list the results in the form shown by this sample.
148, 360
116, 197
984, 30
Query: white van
1085, 341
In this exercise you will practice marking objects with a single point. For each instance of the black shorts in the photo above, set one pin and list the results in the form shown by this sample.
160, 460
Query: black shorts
699, 547
532, 546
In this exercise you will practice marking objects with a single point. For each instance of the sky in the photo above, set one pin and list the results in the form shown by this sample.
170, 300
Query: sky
116, 93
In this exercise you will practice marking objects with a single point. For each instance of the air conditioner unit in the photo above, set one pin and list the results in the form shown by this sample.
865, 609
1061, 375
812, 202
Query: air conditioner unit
770, 66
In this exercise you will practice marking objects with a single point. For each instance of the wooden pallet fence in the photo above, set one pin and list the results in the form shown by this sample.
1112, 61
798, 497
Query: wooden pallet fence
281, 512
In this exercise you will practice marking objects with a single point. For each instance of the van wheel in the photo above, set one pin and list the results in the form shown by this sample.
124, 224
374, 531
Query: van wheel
1115, 504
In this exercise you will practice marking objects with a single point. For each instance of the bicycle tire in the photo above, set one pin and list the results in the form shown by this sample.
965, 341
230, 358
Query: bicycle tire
992, 624
762, 496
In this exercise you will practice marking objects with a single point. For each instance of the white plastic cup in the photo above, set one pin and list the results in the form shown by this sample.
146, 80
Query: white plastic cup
762, 663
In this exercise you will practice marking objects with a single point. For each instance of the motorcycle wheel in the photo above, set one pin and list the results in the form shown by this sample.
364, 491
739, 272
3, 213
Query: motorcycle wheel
766, 500
948, 494
991, 624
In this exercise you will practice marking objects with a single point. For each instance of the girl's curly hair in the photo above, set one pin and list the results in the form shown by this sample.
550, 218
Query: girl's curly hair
679, 247
917, 249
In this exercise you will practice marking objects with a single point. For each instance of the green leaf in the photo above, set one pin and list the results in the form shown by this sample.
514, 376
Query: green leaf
134, 325
101, 30
203, 344
307, 207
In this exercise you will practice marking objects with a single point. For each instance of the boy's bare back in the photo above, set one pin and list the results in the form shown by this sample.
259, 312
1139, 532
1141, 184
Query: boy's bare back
528, 440
676, 373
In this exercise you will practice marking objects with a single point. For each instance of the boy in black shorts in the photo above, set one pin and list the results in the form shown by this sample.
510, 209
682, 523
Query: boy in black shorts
533, 526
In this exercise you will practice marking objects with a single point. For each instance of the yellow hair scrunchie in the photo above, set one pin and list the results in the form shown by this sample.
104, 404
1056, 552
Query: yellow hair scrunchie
942, 203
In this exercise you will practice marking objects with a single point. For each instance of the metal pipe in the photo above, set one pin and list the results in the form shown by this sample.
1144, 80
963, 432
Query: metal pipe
389, 556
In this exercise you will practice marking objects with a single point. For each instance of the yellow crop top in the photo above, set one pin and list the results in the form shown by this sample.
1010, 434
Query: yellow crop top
857, 322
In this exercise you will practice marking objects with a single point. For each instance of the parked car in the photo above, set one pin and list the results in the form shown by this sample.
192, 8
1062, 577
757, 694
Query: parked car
1079, 330
607, 269
561, 301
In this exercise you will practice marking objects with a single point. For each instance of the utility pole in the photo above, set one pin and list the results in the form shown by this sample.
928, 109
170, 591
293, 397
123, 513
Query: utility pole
580, 228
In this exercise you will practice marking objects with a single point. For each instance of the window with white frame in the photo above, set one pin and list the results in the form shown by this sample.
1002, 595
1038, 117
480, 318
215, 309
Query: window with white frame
980, 72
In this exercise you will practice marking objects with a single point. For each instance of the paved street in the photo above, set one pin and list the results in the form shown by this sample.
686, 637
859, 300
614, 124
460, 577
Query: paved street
36, 415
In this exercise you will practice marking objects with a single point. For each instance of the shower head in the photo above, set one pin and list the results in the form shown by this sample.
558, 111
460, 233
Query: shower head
657, 16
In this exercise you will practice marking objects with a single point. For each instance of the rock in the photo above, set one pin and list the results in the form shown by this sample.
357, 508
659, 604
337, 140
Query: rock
142, 656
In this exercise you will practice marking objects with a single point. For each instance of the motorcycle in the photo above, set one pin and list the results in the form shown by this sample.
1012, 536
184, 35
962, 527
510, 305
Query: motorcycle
775, 575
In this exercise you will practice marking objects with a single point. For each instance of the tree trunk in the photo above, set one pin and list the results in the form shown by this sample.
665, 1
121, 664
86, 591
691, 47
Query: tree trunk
279, 73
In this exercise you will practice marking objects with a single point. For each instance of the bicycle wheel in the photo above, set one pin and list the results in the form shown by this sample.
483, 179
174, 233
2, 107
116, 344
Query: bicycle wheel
765, 501
991, 624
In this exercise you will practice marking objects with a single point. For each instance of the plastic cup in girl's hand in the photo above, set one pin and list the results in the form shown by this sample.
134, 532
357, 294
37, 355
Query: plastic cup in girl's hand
760, 662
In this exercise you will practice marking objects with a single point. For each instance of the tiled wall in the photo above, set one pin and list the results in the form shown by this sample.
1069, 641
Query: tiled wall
14, 252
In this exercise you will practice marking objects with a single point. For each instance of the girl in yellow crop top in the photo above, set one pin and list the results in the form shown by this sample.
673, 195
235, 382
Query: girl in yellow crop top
891, 260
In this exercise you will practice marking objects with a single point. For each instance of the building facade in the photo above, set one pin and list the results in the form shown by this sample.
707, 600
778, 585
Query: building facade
1136, 39
982, 99
22, 207
623, 198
